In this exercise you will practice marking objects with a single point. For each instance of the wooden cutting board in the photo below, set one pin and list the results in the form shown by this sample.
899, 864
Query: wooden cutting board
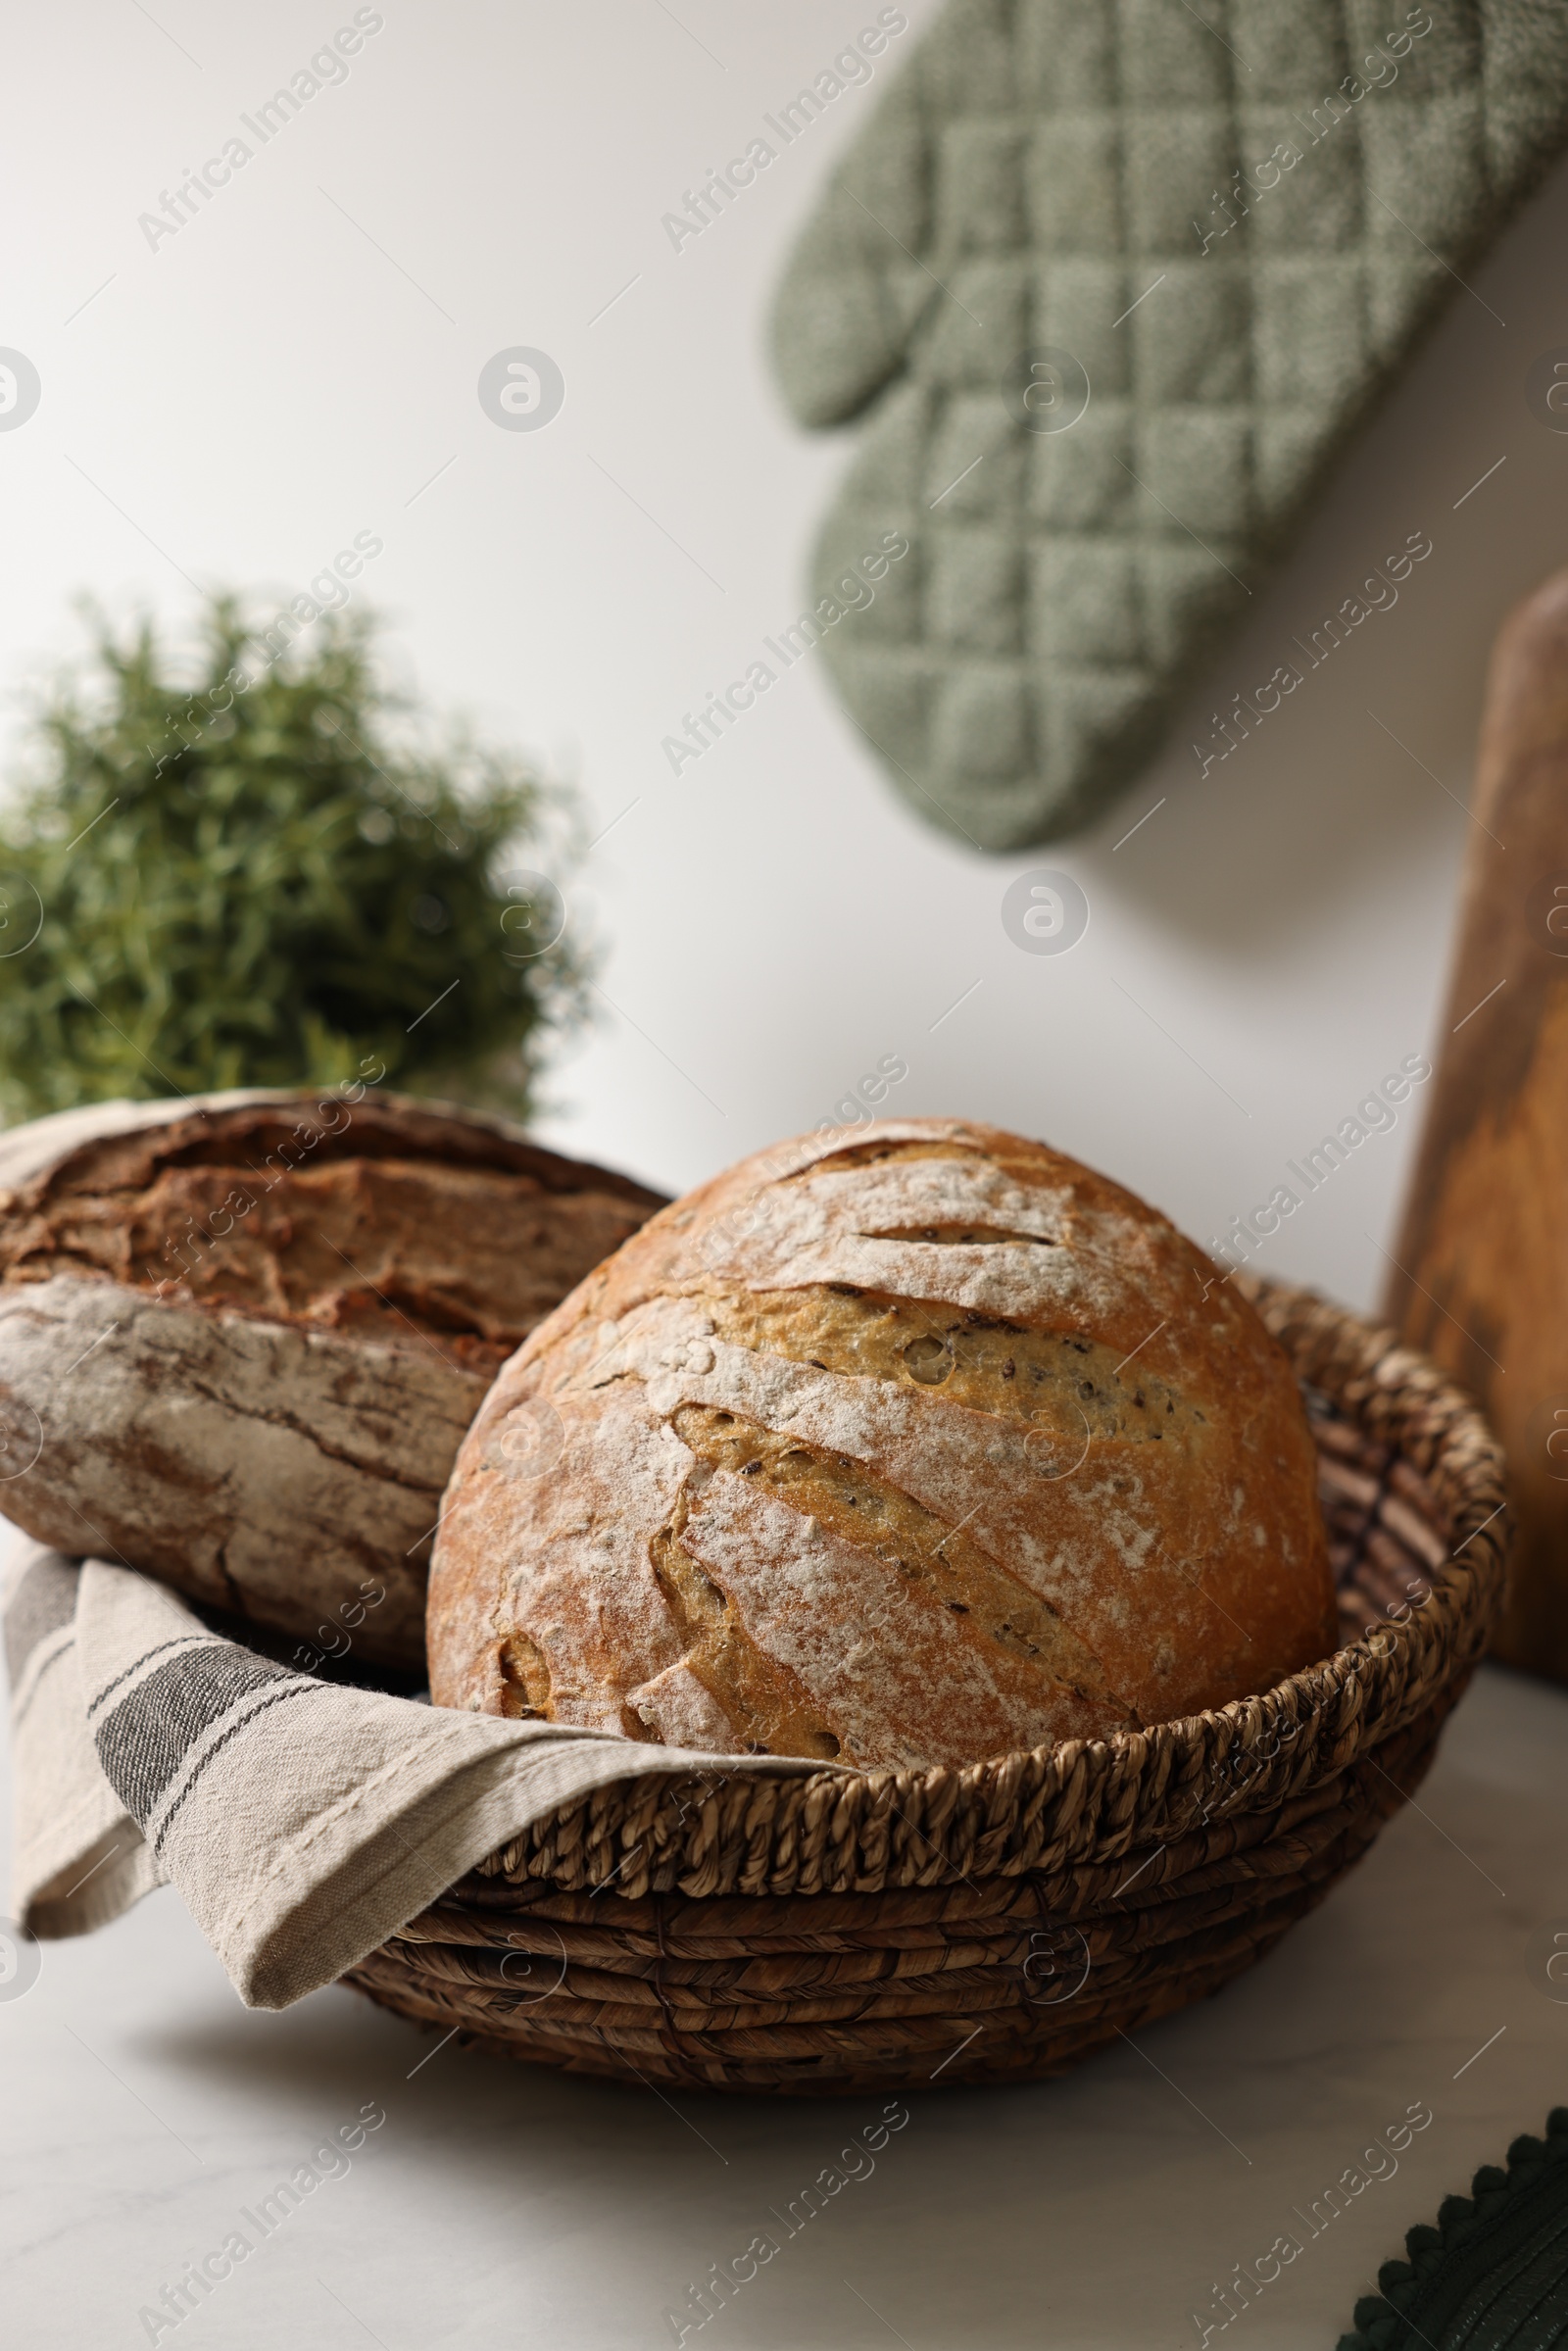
1482, 1279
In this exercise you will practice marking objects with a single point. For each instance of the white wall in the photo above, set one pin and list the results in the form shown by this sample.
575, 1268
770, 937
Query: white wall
239, 402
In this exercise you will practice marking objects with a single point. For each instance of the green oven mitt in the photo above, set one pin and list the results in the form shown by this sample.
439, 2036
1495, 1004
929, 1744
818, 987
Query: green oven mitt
1112, 282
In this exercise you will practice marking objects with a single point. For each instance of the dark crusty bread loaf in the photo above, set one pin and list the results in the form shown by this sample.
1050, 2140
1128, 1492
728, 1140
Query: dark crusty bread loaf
908, 1449
241, 1338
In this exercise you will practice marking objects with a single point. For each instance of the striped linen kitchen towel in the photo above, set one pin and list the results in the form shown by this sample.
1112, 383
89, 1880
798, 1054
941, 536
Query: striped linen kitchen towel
303, 1821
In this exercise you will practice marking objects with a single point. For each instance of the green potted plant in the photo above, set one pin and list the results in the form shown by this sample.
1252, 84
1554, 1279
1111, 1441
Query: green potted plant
265, 876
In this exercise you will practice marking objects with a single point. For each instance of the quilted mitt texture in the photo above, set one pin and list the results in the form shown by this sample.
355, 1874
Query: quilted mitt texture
1115, 280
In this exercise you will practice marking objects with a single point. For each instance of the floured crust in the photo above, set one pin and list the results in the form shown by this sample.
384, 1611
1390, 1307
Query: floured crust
911, 1451
245, 1335
395, 1223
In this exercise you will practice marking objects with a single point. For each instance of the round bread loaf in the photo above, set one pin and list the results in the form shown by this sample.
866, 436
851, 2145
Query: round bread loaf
908, 1449
241, 1336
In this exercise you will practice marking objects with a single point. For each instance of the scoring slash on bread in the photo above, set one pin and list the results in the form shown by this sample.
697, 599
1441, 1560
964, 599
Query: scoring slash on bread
242, 1335
909, 1451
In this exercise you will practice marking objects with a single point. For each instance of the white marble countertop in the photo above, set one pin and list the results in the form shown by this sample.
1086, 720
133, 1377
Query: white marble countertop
503, 2204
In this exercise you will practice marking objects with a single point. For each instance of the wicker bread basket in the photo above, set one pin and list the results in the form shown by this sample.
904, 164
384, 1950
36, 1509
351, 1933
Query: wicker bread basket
890, 1928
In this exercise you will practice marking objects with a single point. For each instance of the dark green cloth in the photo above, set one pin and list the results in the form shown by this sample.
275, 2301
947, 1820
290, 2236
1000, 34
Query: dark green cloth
1493, 2276
1038, 168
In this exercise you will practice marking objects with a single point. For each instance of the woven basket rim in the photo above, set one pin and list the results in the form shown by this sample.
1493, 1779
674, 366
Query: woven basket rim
1081, 1800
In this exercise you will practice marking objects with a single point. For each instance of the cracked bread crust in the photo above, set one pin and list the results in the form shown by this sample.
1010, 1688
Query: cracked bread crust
913, 1451
241, 1339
